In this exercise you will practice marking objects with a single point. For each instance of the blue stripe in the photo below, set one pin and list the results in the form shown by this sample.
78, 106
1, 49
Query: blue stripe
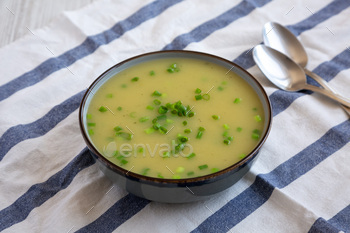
259, 192
116, 215
89, 46
245, 59
281, 100
340, 222
207, 28
40, 193
19, 133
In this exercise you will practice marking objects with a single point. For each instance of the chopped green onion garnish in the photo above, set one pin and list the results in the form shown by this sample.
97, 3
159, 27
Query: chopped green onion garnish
190, 114
184, 123
88, 116
140, 150
103, 109
160, 176
156, 126
149, 107
239, 129
199, 135
109, 95
156, 93
198, 91
91, 132
225, 134
180, 170
152, 73
176, 177
237, 100
135, 79
198, 97
162, 110
206, 97
257, 118
201, 129
215, 117
149, 130
127, 136
255, 136
123, 161
169, 121
224, 82
117, 128
230, 138
166, 154
190, 173
183, 139
201, 167
119, 108
161, 117
187, 131
145, 171
91, 124
255, 109
144, 119
191, 155
241, 156
220, 88
157, 102
227, 142
226, 126
213, 170
163, 130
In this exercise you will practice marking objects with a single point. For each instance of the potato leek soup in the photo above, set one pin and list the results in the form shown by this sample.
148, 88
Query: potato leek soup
175, 118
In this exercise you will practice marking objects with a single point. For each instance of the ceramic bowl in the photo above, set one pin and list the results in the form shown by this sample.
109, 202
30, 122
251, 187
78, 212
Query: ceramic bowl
175, 190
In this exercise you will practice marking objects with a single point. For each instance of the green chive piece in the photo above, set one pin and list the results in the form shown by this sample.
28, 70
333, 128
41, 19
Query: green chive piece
201, 167
184, 123
144, 119
124, 85
140, 150
119, 108
127, 136
230, 138
199, 135
170, 70
198, 91
220, 88
156, 126
191, 173
239, 129
103, 109
152, 73
160, 176
145, 171
156, 93
119, 157
187, 131
213, 170
241, 156
237, 100
227, 142
183, 139
180, 170
149, 130
91, 132
257, 118
201, 129
91, 124
166, 154
176, 177
157, 102
215, 117
163, 130
255, 136
225, 134
255, 109
206, 97
198, 97
88, 116
162, 110
190, 156
169, 121
117, 128
123, 161
109, 95
226, 126
135, 79
224, 82
149, 107
161, 117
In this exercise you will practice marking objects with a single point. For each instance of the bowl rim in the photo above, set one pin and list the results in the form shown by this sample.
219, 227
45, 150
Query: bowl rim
186, 181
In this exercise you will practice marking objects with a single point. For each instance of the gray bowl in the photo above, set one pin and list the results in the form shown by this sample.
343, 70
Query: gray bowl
175, 190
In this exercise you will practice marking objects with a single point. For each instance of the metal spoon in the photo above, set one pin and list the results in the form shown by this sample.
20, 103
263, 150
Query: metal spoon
286, 74
280, 38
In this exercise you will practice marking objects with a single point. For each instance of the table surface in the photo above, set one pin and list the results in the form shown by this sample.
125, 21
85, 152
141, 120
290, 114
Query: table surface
17, 17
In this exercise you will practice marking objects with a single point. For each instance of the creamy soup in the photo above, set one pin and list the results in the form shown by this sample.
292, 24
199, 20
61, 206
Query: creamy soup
175, 118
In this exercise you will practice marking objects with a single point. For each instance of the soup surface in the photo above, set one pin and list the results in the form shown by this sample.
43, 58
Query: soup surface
175, 118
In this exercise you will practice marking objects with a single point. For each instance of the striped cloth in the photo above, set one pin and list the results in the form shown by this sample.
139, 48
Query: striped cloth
48, 183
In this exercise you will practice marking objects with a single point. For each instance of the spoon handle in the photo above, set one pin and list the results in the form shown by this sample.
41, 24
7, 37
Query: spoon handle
325, 85
319, 80
329, 94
